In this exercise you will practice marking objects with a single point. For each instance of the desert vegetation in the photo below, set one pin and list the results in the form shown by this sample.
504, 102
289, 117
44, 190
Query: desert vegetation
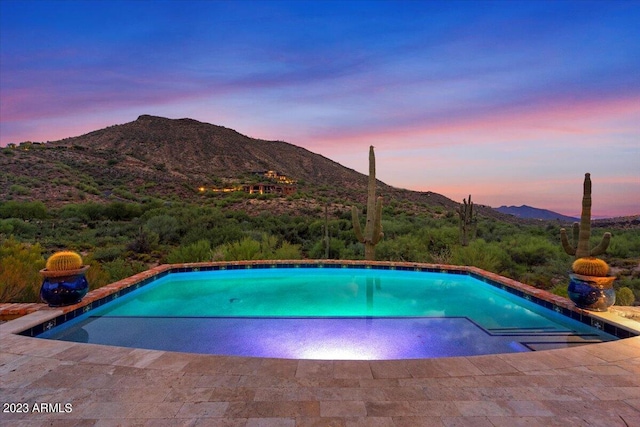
120, 238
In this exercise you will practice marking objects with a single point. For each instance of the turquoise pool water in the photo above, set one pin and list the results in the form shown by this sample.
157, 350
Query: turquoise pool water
349, 313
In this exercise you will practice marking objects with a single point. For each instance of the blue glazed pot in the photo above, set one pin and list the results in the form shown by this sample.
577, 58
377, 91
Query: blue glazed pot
63, 288
592, 293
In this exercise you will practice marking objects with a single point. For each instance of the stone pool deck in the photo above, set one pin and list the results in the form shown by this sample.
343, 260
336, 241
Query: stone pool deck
114, 386
62, 383
590, 385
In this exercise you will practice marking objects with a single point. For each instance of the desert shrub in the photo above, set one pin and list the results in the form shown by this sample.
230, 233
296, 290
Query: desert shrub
88, 188
625, 296
92, 211
403, 248
271, 247
537, 277
487, 256
195, 252
72, 211
23, 210
18, 227
218, 234
166, 227
630, 282
245, 249
119, 269
287, 251
624, 244
120, 211
264, 246
96, 275
19, 190
144, 242
19, 267
108, 253
560, 290
530, 251
6, 227
318, 250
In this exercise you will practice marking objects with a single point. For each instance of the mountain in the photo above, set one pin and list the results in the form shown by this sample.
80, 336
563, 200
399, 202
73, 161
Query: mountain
525, 211
171, 159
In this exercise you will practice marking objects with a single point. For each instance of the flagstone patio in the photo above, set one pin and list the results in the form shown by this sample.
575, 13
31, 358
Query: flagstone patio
112, 386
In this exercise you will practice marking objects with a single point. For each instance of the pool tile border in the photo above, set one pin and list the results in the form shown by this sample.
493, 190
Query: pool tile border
101, 296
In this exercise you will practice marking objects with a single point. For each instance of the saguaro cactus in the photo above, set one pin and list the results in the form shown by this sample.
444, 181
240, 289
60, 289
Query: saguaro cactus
373, 227
582, 231
589, 285
467, 221
327, 239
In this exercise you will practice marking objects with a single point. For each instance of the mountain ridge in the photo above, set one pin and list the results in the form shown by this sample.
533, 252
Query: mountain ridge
525, 211
160, 157
170, 159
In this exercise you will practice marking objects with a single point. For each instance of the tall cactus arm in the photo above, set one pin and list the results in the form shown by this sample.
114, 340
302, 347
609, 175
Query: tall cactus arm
371, 184
570, 250
576, 232
602, 246
357, 229
377, 223
582, 231
582, 248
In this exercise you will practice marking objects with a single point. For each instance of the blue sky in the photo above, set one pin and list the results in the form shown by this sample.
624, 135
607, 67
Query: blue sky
510, 101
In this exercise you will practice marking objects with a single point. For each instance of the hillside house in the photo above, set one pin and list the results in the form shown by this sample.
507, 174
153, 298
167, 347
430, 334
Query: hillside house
275, 176
267, 188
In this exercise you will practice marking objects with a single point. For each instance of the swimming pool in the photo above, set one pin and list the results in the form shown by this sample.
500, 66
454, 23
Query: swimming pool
335, 312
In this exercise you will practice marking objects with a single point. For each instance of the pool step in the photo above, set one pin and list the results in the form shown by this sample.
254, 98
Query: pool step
537, 339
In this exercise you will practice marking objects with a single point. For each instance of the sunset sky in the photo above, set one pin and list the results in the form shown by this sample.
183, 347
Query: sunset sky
510, 101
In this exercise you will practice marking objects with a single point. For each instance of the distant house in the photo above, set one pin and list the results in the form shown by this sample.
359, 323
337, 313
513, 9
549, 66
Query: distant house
267, 188
274, 175
282, 186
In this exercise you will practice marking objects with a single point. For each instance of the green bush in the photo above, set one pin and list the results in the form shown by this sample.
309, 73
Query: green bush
119, 269
199, 251
337, 250
560, 290
166, 227
109, 253
287, 251
20, 264
265, 247
23, 210
531, 251
19, 190
120, 211
245, 249
625, 244
144, 242
487, 256
96, 275
18, 227
625, 296
403, 248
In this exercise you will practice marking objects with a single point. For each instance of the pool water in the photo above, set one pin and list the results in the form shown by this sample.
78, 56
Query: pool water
326, 313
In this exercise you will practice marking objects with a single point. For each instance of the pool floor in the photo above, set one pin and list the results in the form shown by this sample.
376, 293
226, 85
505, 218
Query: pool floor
326, 338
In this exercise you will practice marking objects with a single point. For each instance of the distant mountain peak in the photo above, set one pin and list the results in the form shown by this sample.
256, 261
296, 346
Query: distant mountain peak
530, 212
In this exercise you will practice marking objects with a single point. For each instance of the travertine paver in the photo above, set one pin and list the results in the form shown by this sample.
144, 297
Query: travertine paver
112, 386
